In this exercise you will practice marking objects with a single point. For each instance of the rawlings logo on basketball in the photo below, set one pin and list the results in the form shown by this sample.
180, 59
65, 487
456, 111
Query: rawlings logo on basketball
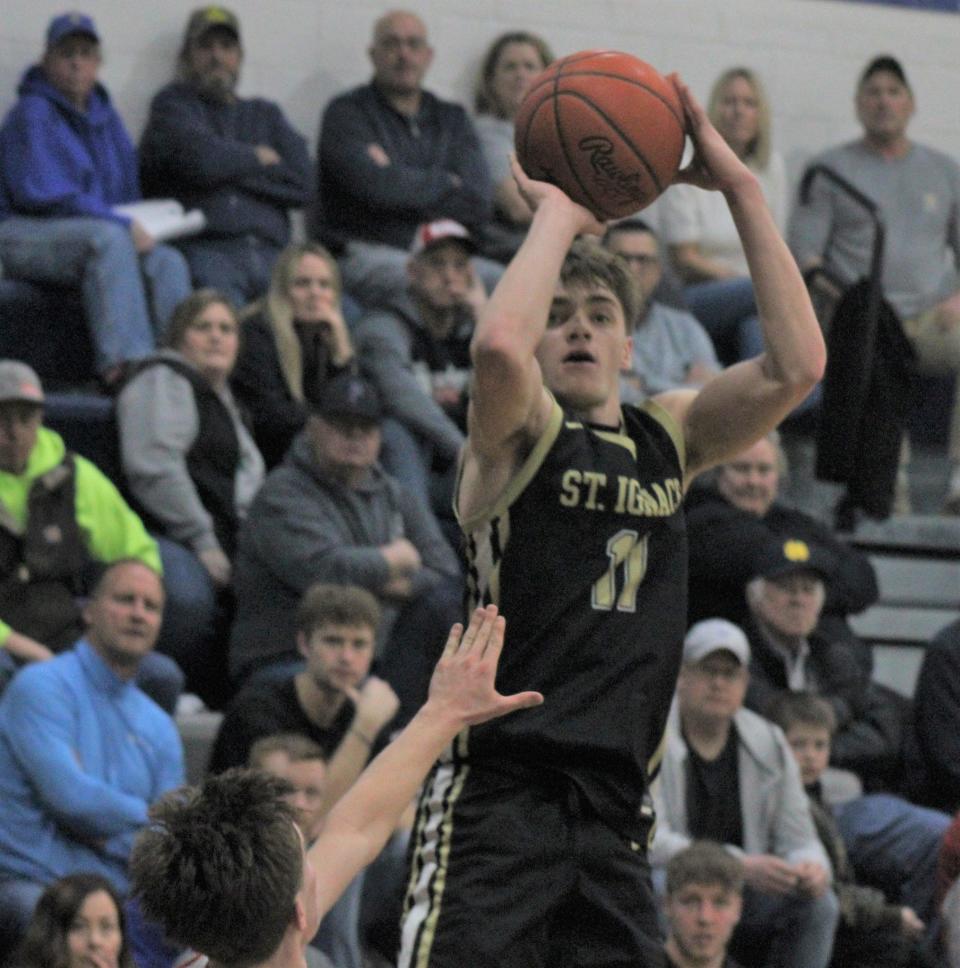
623, 184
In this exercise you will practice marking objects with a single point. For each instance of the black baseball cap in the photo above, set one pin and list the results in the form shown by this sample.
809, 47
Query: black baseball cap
350, 397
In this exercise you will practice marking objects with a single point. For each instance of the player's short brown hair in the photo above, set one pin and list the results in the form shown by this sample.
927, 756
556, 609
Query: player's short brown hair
219, 866
704, 862
325, 604
589, 263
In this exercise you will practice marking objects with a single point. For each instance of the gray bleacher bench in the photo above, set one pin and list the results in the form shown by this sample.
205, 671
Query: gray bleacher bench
917, 560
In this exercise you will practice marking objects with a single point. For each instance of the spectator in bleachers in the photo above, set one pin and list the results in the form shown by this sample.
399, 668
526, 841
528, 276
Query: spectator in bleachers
512, 61
392, 156
670, 348
237, 159
78, 923
728, 775
936, 707
737, 511
194, 470
917, 190
61, 520
66, 161
699, 230
416, 349
293, 341
83, 752
333, 701
786, 599
880, 923
330, 513
704, 899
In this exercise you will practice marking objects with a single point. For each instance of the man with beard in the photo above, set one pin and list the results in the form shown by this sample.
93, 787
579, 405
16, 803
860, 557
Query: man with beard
237, 159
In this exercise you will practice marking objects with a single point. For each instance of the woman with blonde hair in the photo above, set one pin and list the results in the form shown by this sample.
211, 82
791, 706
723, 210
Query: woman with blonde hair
512, 61
294, 341
698, 228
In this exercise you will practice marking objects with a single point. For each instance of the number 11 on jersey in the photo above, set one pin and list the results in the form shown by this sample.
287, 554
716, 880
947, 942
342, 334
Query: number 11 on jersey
627, 552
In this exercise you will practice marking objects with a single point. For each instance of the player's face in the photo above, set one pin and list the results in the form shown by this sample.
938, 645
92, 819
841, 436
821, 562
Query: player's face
94, 938
738, 114
584, 349
211, 342
518, 64
338, 656
72, 67
884, 107
344, 446
811, 747
400, 53
124, 618
702, 918
642, 255
213, 63
751, 479
441, 276
791, 604
19, 425
713, 688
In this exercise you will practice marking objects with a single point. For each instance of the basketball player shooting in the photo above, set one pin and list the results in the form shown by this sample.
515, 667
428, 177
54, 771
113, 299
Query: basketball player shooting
530, 843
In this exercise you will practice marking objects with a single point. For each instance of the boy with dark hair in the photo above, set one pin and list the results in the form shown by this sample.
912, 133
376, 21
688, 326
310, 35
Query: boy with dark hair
871, 933
703, 904
224, 869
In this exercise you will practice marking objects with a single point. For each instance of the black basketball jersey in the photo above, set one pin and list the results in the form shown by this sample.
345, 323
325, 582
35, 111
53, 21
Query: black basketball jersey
585, 555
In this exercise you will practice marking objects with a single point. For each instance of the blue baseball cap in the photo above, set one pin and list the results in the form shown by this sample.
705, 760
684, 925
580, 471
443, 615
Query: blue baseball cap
67, 24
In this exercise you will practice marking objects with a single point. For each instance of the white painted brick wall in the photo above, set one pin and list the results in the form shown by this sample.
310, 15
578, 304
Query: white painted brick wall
301, 52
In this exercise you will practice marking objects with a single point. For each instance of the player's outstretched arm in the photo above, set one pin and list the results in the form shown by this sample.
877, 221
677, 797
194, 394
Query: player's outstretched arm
749, 399
462, 693
507, 393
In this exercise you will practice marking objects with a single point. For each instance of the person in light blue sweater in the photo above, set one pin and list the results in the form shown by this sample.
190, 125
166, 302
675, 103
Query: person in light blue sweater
83, 752
66, 161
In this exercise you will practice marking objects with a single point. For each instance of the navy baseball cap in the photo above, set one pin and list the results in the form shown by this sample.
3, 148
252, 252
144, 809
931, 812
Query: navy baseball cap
68, 24
348, 397
787, 556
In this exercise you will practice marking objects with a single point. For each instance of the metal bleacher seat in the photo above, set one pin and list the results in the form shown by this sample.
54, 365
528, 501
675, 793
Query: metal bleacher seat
917, 559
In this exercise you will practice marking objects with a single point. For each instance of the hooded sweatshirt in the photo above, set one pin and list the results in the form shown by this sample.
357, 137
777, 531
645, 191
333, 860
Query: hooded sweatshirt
57, 161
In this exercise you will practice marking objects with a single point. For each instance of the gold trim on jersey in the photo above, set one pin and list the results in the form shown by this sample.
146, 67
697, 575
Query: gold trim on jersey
428, 878
622, 440
666, 420
521, 479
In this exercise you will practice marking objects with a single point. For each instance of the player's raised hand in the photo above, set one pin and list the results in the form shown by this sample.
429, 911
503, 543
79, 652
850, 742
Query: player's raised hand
537, 193
462, 686
715, 165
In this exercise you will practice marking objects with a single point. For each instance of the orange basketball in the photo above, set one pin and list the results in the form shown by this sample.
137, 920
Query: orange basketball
605, 127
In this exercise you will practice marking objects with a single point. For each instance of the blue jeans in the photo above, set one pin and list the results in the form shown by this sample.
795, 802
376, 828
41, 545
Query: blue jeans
893, 845
193, 630
798, 930
239, 268
727, 310
18, 898
121, 291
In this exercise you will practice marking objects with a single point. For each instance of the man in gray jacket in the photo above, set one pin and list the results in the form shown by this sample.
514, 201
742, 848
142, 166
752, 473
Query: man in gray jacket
330, 513
728, 775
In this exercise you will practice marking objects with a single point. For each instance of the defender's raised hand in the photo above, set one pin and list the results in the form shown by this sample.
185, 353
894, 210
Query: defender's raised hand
462, 686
